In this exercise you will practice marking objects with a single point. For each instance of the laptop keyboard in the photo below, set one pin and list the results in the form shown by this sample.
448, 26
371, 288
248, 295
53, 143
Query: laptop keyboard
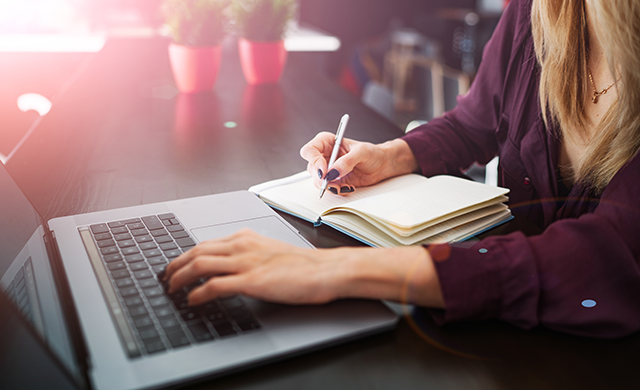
134, 253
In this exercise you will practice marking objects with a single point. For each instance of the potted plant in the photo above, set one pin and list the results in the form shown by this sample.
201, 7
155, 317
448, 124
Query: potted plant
197, 28
261, 25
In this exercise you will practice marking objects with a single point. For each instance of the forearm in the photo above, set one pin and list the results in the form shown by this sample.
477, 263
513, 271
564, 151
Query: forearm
404, 275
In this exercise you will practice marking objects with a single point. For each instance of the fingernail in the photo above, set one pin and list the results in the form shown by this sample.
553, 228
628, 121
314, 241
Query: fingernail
320, 173
346, 189
332, 175
333, 190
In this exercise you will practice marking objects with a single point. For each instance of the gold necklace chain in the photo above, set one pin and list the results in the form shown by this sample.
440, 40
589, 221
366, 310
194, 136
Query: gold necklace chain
596, 94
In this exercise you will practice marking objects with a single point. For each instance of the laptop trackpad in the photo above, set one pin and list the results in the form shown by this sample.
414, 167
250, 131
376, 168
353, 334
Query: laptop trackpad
269, 226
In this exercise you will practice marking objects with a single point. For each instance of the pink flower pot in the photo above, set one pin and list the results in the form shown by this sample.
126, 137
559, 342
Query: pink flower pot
262, 62
195, 69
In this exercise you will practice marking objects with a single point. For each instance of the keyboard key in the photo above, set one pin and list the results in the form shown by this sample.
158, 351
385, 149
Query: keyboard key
215, 316
143, 274
102, 236
154, 345
157, 260
157, 233
135, 226
106, 243
113, 257
116, 266
163, 239
148, 245
123, 273
172, 254
116, 225
224, 328
152, 253
119, 230
122, 283
200, 331
170, 323
248, 325
153, 292
175, 228
143, 322
152, 222
185, 242
137, 311
178, 338
132, 220
163, 312
166, 216
158, 302
126, 243
145, 238
190, 314
166, 222
180, 234
148, 334
138, 266
174, 221
133, 301
109, 250
168, 246
128, 292
130, 251
158, 269
134, 258
231, 302
99, 228
139, 232
148, 283
122, 236
182, 304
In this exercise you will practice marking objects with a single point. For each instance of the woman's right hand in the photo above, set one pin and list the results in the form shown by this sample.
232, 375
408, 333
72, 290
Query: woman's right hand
359, 164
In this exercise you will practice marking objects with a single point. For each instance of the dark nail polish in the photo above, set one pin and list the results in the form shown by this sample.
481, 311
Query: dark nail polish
346, 189
333, 190
332, 175
320, 173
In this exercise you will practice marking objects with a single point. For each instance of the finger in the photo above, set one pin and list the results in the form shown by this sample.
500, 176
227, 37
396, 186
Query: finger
202, 267
316, 152
341, 189
216, 287
220, 246
348, 161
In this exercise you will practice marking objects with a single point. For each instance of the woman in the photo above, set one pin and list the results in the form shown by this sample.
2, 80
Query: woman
572, 169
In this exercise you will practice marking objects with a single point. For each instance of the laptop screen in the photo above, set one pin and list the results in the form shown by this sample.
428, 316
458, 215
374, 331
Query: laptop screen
26, 274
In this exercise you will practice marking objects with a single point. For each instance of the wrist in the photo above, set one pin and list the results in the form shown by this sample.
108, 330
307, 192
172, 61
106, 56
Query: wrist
404, 275
400, 158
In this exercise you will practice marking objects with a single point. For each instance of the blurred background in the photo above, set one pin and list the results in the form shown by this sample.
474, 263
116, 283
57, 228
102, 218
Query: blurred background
406, 59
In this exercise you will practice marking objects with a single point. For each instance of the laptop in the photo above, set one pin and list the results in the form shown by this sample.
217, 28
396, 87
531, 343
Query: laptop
88, 287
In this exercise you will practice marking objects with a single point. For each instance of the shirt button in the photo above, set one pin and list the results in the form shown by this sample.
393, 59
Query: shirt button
527, 181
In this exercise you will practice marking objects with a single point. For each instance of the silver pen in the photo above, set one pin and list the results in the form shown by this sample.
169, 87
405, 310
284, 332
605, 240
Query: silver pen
336, 148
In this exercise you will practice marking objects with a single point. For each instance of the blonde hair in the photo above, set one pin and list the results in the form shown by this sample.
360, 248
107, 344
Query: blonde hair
560, 38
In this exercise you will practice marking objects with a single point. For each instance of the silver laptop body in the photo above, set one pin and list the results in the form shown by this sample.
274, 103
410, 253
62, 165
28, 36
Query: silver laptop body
116, 355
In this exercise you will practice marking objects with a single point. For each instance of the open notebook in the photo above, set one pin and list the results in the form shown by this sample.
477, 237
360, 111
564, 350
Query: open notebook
405, 210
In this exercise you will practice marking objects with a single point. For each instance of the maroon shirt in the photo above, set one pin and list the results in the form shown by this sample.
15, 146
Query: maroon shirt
589, 251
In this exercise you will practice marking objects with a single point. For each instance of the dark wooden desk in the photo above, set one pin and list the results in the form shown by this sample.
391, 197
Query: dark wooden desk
120, 137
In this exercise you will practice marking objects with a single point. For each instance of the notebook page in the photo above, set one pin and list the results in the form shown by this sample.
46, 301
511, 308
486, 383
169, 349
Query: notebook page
302, 197
426, 200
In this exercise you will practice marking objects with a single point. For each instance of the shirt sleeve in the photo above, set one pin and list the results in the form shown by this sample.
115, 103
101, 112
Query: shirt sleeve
466, 134
581, 276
